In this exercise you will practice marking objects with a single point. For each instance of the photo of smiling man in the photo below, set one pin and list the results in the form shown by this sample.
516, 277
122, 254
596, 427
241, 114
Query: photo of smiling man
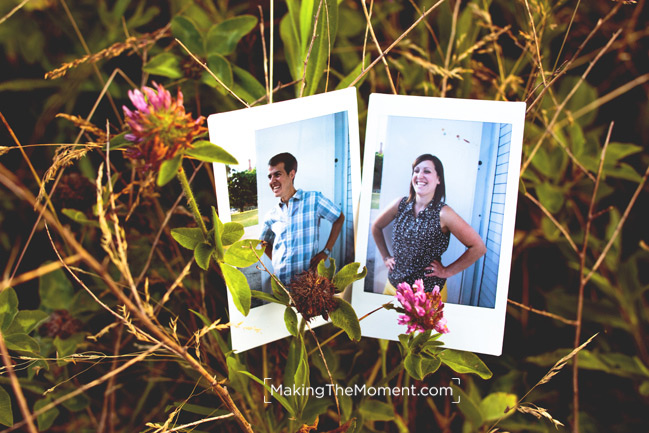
292, 226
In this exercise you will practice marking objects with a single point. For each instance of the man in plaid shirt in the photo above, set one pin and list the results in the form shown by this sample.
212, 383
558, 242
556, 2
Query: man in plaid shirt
291, 228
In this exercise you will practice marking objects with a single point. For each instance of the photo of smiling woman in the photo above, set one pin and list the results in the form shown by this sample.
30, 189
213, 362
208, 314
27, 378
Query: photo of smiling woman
423, 224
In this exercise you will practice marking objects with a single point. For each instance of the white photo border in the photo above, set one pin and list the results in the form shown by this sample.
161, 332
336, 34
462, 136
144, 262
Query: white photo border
475, 329
230, 130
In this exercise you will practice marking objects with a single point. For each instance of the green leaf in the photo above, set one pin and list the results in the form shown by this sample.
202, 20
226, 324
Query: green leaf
617, 151
25, 321
68, 346
348, 275
584, 95
550, 161
618, 364
644, 389
119, 141
185, 30
551, 196
198, 410
169, 169
266, 297
279, 292
55, 290
164, 64
244, 253
6, 414
8, 307
218, 234
79, 217
221, 68
222, 38
418, 340
22, 343
290, 319
232, 232
188, 237
412, 364
26, 85
345, 82
210, 152
202, 254
290, 40
494, 405
419, 366
374, 410
345, 318
280, 398
326, 28
238, 287
465, 362
316, 407
45, 420
76, 403
327, 272
469, 407
302, 374
246, 85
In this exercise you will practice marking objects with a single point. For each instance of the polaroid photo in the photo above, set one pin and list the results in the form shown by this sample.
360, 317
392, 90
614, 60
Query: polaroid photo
473, 149
321, 132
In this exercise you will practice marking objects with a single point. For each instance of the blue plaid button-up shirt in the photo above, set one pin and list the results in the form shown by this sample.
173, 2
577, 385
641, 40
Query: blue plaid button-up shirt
294, 228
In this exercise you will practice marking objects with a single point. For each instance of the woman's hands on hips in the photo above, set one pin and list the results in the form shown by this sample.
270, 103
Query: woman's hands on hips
389, 263
436, 269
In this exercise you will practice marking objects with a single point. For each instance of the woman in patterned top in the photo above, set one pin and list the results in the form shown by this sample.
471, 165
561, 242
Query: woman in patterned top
423, 224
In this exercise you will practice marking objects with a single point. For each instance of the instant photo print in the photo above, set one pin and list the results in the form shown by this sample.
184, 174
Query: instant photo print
321, 131
479, 145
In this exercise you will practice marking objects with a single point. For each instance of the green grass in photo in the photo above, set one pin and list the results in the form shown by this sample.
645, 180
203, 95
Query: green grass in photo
247, 218
375, 200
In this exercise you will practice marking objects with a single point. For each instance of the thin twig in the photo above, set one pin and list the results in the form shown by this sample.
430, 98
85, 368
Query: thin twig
87, 289
18, 392
544, 313
567, 64
38, 272
554, 221
159, 333
324, 343
324, 360
202, 421
536, 43
582, 283
308, 54
277, 88
565, 38
263, 49
168, 216
572, 156
87, 50
272, 46
378, 46
560, 108
87, 386
449, 48
396, 42
545, 379
218, 80
606, 98
617, 230
13, 11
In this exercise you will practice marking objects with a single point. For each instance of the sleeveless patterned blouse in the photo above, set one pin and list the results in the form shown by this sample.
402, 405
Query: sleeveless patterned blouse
417, 242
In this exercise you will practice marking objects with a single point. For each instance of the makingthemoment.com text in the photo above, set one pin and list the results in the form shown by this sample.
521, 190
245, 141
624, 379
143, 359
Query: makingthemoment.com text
358, 390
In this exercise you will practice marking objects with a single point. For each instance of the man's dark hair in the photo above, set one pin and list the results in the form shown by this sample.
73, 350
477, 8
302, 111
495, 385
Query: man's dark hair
290, 163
